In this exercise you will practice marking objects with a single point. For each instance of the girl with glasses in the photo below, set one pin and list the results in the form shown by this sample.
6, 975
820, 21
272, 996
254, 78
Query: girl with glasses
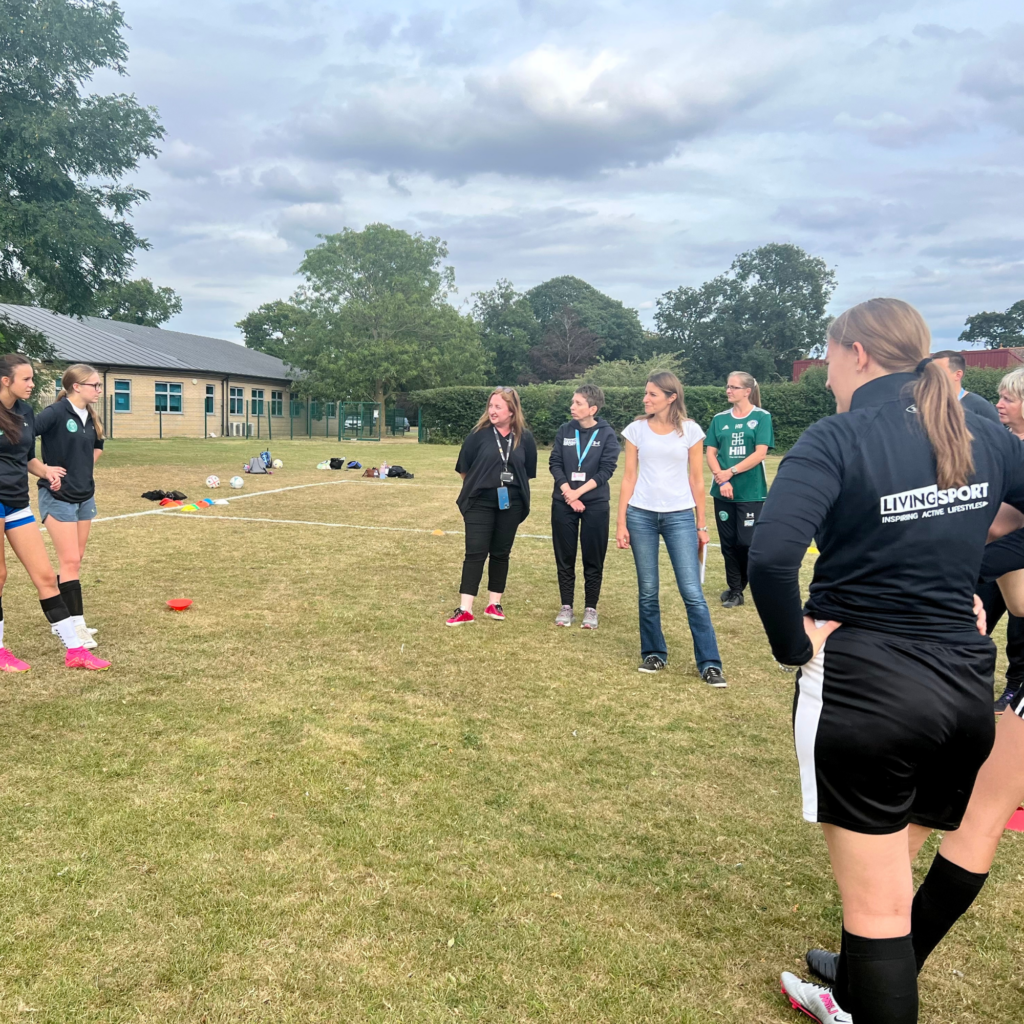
72, 437
738, 443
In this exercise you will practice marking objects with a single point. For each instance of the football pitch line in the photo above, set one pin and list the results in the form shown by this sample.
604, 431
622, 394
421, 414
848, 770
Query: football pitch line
199, 515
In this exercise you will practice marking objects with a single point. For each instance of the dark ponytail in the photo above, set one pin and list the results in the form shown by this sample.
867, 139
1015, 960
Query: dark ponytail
10, 422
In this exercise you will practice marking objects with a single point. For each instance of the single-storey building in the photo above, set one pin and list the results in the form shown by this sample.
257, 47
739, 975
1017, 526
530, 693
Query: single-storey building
986, 358
165, 383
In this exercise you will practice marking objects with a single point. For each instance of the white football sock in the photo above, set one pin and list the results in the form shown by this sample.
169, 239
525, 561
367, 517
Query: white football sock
65, 629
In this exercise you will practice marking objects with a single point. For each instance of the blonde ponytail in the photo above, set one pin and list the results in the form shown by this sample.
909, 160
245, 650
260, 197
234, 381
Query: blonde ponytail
896, 337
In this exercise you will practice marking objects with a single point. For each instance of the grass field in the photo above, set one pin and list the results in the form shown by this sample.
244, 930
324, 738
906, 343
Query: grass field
306, 800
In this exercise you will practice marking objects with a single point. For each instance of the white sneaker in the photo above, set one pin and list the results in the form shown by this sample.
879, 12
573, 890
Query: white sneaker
81, 632
814, 1000
565, 616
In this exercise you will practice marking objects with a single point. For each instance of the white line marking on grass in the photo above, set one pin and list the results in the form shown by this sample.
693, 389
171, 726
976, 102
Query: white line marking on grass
353, 526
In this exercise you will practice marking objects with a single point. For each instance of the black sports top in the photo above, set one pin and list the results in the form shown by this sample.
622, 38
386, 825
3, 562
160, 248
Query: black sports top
898, 555
14, 458
69, 443
482, 463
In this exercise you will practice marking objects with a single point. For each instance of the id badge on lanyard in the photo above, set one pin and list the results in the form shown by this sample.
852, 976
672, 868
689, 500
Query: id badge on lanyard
506, 477
579, 476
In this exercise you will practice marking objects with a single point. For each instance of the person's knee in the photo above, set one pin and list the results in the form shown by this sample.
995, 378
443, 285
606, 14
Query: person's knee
70, 566
3, 576
46, 579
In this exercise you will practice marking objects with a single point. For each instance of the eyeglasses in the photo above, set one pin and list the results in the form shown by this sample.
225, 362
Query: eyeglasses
735, 387
98, 387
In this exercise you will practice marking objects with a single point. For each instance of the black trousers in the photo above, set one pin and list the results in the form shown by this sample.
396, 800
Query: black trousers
590, 530
490, 534
995, 607
734, 532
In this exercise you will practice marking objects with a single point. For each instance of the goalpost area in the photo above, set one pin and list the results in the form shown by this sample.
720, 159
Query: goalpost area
306, 800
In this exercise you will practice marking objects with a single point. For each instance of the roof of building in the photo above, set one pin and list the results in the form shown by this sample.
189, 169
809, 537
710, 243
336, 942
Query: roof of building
113, 343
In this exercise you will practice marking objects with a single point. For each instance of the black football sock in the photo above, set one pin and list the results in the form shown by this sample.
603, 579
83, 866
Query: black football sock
841, 987
56, 612
882, 980
942, 899
71, 591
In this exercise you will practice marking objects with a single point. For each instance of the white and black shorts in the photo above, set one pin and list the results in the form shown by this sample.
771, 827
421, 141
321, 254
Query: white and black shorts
891, 731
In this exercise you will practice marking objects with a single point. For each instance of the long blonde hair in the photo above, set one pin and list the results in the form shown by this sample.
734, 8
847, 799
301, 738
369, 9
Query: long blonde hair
747, 381
895, 335
511, 398
665, 380
79, 373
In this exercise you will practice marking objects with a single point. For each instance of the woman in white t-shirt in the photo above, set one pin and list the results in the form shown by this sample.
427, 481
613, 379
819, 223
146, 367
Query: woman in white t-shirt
662, 495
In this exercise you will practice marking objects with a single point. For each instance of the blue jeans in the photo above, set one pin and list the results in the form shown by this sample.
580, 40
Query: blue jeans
680, 532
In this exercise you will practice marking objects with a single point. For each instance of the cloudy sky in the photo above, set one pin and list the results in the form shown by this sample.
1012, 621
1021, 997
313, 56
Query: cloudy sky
638, 145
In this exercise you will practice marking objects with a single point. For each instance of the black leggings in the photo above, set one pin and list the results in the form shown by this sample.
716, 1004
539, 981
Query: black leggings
591, 530
995, 607
490, 531
735, 538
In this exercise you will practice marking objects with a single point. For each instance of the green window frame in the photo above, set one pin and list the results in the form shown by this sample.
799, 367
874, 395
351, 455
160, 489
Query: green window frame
236, 402
210, 394
256, 405
122, 396
276, 403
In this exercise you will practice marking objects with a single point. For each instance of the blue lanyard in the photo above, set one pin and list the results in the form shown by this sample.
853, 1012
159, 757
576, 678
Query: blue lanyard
960, 397
580, 458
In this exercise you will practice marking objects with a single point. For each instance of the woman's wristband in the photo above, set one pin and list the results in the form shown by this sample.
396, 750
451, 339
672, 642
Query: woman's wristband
702, 529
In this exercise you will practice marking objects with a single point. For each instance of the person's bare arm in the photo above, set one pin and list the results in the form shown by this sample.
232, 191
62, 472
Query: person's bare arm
626, 492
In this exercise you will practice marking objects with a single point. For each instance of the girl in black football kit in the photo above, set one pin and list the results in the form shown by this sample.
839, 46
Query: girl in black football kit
72, 438
17, 447
892, 717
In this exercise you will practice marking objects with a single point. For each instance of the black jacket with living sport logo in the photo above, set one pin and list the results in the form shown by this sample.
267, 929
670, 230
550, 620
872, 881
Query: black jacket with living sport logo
898, 555
69, 443
599, 464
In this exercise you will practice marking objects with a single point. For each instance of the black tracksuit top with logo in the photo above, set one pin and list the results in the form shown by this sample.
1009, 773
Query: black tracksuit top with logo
14, 458
898, 555
599, 464
69, 443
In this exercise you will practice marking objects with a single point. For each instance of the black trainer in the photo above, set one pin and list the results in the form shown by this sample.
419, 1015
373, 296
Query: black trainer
823, 964
713, 676
652, 663
723, 597
1007, 698
734, 600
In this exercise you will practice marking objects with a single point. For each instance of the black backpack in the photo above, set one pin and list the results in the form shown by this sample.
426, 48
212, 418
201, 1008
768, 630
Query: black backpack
337, 463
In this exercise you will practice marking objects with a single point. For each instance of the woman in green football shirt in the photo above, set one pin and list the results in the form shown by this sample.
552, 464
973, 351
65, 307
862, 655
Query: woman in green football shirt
737, 444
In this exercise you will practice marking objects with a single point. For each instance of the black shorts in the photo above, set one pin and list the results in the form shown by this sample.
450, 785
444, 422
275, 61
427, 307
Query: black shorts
891, 731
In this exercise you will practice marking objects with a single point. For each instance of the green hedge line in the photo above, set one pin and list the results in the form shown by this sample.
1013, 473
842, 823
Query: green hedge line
449, 414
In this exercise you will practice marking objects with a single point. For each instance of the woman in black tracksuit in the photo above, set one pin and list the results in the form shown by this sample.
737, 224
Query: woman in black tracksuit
497, 461
893, 714
583, 458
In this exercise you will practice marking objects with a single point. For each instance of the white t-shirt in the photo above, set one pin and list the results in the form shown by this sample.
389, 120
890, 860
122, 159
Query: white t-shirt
663, 481
80, 413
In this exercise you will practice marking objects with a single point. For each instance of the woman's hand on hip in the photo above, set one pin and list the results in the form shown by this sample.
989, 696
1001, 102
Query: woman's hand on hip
819, 634
622, 536
979, 615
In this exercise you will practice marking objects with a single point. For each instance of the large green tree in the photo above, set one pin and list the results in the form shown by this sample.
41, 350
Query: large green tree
617, 328
996, 330
64, 207
372, 318
508, 329
767, 310
136, 302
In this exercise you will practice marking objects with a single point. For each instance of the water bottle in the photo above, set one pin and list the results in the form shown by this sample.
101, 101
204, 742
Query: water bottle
383, 470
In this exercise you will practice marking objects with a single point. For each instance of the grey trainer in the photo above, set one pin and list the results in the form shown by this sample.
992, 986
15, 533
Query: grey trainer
589, 619
565, 616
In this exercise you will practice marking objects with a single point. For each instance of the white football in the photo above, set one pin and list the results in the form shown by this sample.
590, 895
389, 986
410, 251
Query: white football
277, 464
213, 481
237, 482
